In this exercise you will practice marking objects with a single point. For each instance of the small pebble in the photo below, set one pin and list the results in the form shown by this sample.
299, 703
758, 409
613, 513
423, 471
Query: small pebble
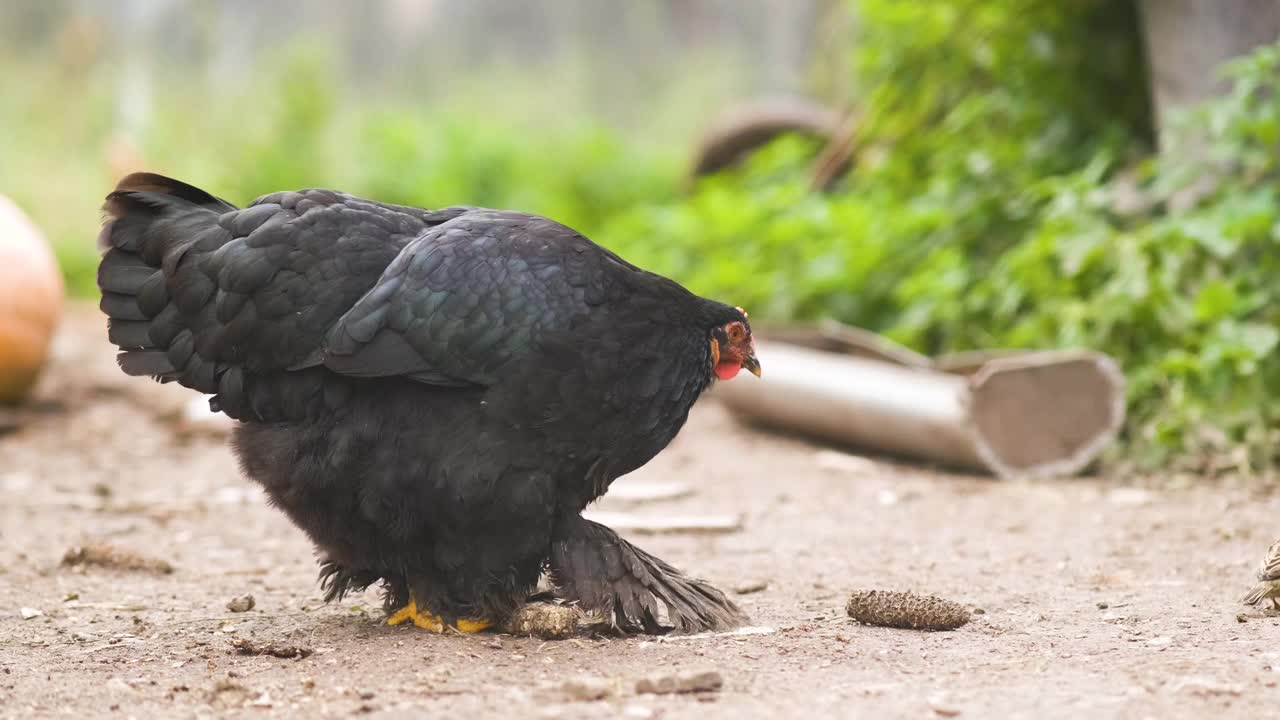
587, 689
1103, 605
664, 685
753, 586
706, 681
244, 603
28, 613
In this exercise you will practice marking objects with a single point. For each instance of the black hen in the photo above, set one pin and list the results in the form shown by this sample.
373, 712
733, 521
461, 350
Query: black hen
433, 396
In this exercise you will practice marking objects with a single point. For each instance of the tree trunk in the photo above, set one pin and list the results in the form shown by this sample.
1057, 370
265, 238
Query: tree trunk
1187, 41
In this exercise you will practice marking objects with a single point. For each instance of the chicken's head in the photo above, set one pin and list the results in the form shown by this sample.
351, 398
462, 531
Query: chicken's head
733, 349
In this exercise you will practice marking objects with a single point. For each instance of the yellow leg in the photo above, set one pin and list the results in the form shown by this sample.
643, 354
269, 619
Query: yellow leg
433, 623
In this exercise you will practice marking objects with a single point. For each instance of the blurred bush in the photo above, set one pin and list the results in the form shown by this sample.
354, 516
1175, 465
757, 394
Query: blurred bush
1006, 194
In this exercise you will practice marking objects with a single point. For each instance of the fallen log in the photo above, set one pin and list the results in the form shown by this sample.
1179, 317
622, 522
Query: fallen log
1011, 414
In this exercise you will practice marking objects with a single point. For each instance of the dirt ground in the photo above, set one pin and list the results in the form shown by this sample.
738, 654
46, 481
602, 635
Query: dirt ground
1096, 598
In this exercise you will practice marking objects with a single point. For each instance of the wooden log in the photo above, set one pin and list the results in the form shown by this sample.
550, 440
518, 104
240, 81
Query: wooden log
1012, 415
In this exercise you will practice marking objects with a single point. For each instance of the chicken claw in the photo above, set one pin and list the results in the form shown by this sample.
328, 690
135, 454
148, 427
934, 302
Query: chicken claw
434, 623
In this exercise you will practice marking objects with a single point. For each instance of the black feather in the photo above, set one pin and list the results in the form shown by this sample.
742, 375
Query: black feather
123, 272
145, 362
128, 334
121, 307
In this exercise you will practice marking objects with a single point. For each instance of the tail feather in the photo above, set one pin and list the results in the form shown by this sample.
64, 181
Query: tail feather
119, 272
1256, 594
151, 223
592, 565
121, 307
129, 334
226, 301
146, 362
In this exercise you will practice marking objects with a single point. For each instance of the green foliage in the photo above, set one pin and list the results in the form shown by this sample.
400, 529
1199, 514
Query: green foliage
1005, 196
965, 107
1180, 288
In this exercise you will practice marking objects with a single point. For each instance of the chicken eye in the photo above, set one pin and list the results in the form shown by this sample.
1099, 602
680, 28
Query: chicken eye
735, 332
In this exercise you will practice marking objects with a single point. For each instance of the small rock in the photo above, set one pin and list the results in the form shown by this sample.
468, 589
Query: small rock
701, 682
706, 681
227, 693
587, 689
1103, 605
113, 558
1161, 641
28, 613
262, 701
1242, 618
244, 603
245, 646
752, 586
639, 712
664, 685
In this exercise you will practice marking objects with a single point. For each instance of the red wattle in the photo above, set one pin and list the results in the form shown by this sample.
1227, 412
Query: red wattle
727, 369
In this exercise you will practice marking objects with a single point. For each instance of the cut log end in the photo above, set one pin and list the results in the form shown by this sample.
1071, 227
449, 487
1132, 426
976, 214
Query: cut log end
1045, 414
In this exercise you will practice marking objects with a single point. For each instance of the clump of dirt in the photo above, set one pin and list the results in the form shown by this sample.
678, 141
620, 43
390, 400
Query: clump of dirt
547, 621
245, 646
707, 681
107, 556
227, 693
907, 610
587, 689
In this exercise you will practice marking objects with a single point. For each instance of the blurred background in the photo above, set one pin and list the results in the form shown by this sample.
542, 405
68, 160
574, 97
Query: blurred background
957, 174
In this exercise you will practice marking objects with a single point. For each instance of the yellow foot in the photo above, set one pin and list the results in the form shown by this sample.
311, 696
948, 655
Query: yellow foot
428, 621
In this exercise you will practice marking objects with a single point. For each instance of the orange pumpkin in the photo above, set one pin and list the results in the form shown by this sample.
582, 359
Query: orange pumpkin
30, 301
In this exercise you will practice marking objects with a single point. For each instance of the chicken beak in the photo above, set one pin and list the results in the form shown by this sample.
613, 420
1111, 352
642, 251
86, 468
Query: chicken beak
751, 364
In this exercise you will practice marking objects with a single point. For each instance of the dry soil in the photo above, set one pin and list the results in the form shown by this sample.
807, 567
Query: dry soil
1093, 597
